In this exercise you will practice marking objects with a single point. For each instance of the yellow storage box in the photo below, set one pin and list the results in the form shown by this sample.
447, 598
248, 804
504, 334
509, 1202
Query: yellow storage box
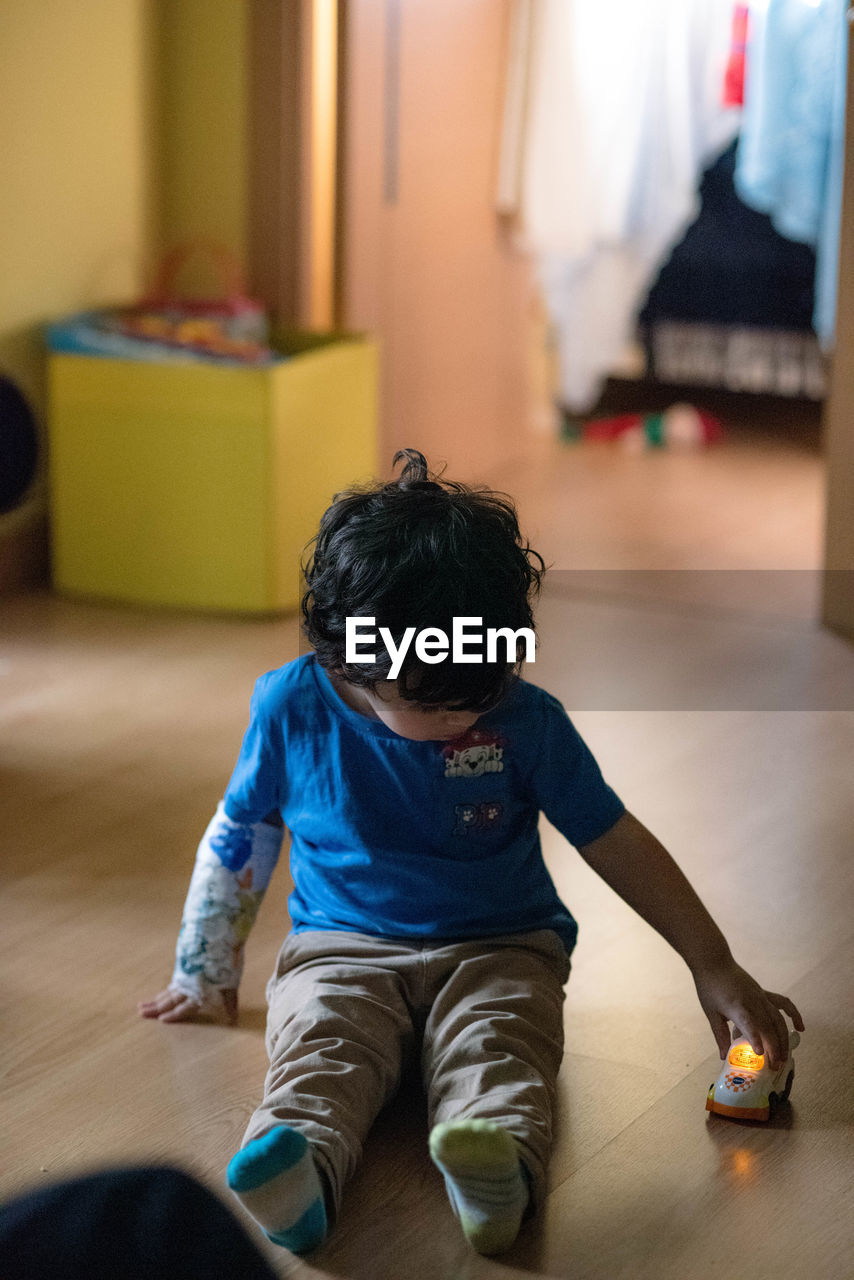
198, 485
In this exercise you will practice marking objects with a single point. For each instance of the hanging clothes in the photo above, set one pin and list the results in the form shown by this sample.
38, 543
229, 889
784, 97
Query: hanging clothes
790, 155
735, 69
622, 112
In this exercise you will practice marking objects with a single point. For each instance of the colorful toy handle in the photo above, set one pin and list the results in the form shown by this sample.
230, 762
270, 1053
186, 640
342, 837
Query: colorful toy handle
234, 299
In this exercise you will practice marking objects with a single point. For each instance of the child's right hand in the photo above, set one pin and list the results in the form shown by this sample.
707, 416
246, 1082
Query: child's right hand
174, 1005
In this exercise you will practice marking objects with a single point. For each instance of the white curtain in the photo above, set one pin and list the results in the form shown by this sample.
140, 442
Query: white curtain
613, 110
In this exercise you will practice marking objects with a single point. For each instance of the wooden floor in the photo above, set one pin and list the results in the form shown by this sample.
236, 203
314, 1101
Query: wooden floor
119, 728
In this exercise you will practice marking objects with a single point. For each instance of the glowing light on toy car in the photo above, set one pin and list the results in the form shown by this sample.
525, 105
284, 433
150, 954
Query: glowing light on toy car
743, 1055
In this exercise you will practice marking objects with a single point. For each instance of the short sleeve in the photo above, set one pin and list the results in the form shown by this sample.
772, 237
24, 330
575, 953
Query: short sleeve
255, 787
568, 782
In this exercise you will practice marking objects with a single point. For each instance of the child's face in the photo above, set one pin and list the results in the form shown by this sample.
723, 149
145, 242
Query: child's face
408, 719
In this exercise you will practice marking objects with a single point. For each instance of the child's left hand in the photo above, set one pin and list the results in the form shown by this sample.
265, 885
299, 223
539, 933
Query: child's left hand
727, 992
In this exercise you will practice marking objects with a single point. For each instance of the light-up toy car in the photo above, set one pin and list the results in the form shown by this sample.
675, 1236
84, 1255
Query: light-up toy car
746, 1088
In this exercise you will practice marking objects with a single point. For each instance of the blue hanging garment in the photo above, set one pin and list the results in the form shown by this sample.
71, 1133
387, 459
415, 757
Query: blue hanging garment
790, 153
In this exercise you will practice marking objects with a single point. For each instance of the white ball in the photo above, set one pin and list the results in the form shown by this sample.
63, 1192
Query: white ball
683, 426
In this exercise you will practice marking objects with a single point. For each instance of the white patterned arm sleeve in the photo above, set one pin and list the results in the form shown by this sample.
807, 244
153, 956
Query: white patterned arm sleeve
234, 863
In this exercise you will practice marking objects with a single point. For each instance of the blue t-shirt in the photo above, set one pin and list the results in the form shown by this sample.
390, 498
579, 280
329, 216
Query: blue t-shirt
417, 839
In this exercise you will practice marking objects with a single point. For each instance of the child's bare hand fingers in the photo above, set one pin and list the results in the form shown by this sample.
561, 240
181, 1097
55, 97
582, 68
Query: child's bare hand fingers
750, 1031
767, 1032
781, 1045
174, 1005
720, 1030
169, 1005
184, 1009
788, 1006
154, 1007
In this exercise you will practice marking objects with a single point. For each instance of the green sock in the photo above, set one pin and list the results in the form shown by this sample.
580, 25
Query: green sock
486, 1185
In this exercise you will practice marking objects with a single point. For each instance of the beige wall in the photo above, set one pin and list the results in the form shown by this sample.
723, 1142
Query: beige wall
838, 611
431, 271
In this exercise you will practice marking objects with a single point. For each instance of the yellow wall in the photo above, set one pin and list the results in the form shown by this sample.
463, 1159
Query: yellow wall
122, 128
203, 123
77, 195
122, 132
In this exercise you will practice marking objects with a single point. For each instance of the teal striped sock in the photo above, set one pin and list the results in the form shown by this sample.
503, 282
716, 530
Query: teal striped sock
485, 1181
277, 1181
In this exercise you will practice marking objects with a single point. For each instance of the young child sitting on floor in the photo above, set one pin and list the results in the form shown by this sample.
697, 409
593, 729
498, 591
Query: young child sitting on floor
423, 917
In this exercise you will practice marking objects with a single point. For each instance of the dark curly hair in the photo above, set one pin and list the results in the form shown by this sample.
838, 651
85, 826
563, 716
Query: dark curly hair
420, 551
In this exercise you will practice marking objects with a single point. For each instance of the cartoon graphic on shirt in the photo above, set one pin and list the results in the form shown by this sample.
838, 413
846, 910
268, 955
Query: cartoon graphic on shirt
475, 752
480, 818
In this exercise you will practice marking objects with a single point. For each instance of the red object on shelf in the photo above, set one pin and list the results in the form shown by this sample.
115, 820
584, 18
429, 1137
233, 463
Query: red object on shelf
733, 93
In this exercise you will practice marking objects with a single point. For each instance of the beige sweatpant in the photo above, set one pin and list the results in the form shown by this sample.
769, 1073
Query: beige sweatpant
346, 1010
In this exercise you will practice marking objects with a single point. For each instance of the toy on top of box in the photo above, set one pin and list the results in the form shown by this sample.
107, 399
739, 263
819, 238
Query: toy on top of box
168, 326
